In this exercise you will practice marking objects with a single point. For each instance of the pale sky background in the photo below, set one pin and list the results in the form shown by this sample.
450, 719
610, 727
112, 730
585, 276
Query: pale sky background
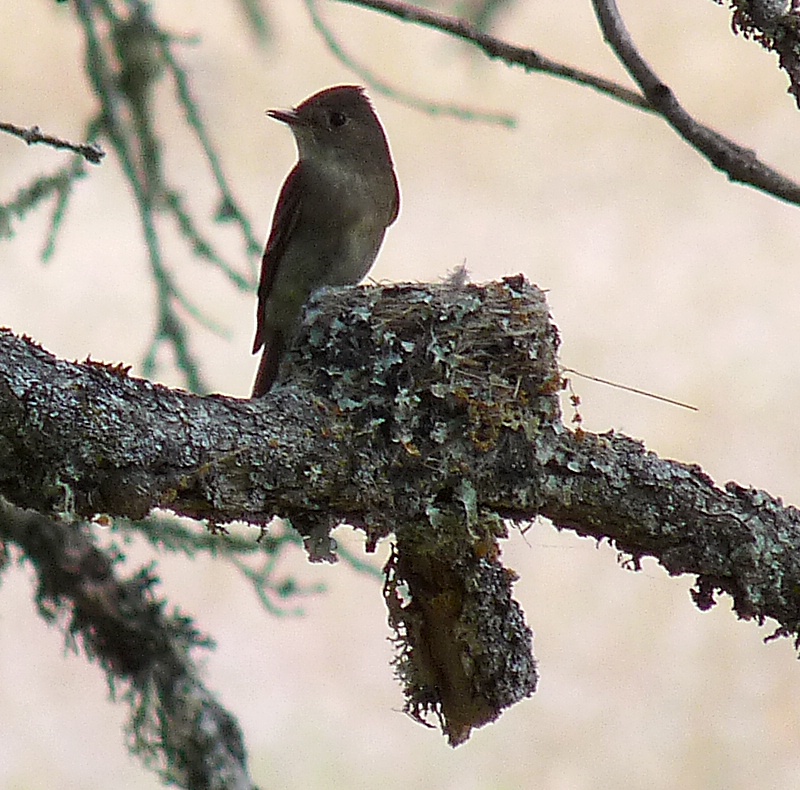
661, 274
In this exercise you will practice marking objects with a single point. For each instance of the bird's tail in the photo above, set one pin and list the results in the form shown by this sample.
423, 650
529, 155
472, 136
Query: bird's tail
268, 366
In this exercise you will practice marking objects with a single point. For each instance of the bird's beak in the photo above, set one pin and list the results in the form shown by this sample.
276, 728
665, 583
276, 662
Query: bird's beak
285, 116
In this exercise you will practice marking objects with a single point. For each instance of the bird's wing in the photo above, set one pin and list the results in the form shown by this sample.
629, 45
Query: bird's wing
395, 200
284, 221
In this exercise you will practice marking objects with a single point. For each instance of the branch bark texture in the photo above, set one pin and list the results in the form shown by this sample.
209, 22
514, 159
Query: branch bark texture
176, 723
426, 412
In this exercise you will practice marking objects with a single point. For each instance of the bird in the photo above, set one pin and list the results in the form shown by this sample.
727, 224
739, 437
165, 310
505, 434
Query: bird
330, 218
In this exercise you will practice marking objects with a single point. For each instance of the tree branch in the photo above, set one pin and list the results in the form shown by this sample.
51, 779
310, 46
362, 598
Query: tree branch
741, 164
33, 134
426, 412
376, 85
494, 47
175, 722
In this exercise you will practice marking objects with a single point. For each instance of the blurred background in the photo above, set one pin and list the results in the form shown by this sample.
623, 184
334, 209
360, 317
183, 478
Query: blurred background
660, 274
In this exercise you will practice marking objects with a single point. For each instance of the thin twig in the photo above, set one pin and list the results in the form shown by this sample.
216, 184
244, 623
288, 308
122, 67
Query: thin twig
230, 207
740, 163
33, 134
378, 86
628, 388
514, 55
171, 328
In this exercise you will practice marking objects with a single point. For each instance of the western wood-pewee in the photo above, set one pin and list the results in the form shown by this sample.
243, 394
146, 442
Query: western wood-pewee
331, 215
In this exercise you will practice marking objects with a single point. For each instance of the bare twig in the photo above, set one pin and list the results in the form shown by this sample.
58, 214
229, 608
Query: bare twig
628, 388
740, 163
378, 86
514, 55
33, 134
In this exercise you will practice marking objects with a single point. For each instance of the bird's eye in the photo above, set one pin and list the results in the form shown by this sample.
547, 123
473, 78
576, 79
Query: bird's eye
337, 119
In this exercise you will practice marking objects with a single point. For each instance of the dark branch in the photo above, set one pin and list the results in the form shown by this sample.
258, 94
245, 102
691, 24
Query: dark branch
494, 47
740, 163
